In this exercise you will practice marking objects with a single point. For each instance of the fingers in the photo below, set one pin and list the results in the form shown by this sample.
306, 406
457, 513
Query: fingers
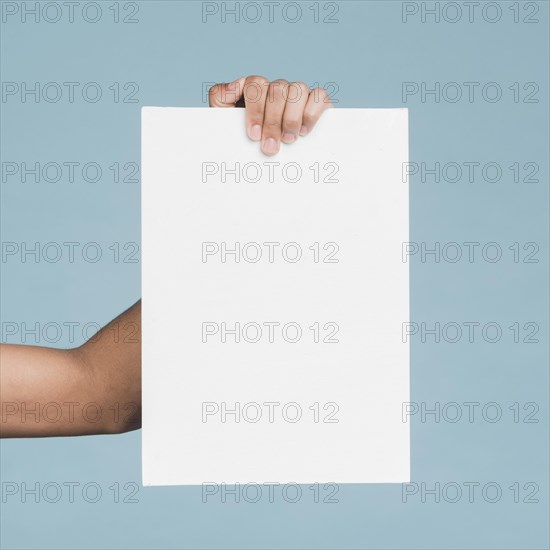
297, 97
318, 102
273, 117
255, 95
226, 95
276, 111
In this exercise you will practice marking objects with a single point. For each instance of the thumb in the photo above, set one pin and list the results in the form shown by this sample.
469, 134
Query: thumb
226, 95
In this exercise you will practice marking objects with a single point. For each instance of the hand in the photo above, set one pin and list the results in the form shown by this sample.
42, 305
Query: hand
278, 111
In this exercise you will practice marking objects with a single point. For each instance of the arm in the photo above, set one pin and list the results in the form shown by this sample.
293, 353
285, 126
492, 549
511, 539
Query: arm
92, 389
96, 388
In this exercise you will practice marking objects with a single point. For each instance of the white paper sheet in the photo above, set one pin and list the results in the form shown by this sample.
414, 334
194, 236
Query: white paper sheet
310, 411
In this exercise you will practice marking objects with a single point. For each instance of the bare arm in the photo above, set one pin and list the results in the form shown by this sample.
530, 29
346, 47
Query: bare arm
96, 388
92, 389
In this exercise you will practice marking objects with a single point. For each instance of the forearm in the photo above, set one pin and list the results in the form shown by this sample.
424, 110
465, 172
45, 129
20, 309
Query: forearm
93, 389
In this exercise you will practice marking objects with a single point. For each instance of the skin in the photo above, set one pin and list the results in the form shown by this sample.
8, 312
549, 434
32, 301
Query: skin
277, 111
96, 388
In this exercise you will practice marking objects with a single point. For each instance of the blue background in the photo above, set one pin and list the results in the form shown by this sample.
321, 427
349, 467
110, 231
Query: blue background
368, 53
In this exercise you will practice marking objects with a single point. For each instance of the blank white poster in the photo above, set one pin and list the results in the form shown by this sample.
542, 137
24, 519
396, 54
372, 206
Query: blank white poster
274, 295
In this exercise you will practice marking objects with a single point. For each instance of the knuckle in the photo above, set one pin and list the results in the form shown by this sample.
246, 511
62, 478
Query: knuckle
255, 89
271, 129
214, 90
297, 92
292, 122
321, 95
256, 79
278, 88
301, 86
272, 124
255, 118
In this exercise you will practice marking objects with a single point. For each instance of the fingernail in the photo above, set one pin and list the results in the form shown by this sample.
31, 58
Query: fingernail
289, 138
270, 146
255, 133
303, 130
